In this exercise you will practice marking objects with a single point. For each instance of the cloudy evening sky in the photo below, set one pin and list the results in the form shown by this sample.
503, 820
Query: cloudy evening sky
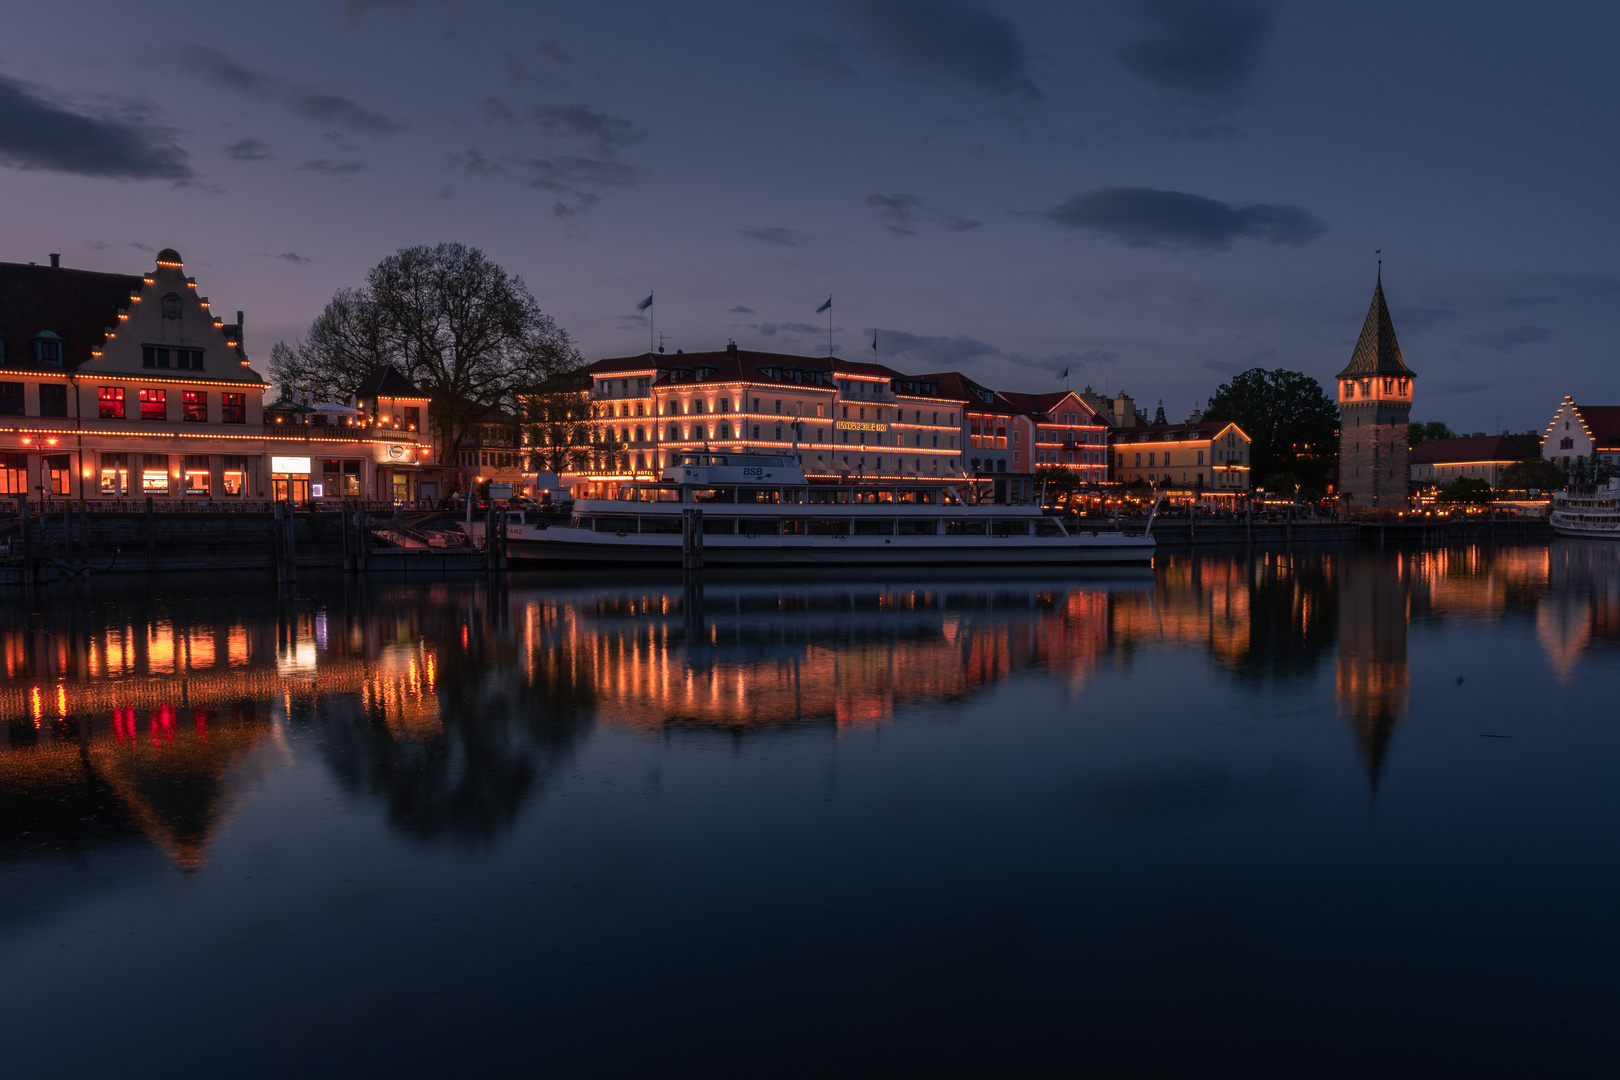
1153, 193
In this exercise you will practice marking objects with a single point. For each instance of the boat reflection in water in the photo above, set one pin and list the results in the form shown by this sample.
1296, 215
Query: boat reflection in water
453, 705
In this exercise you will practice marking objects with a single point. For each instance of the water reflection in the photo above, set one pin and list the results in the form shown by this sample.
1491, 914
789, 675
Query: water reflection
131, 718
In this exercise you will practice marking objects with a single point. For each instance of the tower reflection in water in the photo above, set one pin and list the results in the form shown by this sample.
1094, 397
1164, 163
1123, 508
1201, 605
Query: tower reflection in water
151, 718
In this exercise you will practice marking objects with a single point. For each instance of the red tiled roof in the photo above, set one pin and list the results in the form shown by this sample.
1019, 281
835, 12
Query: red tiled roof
1204, 429
1602, 422
1476, 448
387, 381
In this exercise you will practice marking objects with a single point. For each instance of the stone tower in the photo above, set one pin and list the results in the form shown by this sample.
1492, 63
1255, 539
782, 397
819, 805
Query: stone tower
1375, 405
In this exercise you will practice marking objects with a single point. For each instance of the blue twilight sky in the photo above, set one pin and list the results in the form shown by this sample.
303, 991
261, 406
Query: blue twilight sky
1152, 193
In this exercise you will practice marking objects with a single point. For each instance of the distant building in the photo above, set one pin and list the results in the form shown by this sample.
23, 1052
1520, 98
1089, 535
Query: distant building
847, 418
1198, 457
1582, 435
1375, 406
1476, 457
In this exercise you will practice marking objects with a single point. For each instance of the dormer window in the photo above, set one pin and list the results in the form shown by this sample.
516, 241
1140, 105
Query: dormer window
48, 349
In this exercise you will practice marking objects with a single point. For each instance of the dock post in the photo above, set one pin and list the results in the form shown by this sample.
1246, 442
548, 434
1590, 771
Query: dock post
151, 537
292, 542
692, 571
27, 570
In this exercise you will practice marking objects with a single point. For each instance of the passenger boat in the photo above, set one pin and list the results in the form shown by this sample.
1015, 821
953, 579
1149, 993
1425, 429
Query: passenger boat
1587, 510
759, 510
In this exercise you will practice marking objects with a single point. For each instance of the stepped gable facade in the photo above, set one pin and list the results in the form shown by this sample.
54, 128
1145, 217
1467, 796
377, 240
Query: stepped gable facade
116, 386
1375, 408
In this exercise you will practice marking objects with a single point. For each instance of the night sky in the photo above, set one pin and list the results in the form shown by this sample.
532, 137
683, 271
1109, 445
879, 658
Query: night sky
1154, 194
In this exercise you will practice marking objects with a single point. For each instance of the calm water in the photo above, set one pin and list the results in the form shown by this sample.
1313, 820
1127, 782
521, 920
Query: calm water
1334, 813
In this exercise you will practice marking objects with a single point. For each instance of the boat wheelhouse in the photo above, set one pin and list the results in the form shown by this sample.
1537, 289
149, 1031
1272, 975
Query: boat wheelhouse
757, 510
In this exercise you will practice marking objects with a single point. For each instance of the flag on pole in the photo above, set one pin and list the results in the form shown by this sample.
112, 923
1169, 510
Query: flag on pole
645, 304
825, 306
874, 341
1065, 374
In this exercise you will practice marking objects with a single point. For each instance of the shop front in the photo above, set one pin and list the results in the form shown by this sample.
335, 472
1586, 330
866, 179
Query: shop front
289, 479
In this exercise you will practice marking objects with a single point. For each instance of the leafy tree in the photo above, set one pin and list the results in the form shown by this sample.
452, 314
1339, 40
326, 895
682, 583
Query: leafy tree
455, 323
1292, 425
1537, 473
1466, 489
1424, 432
1057, 481
555, 417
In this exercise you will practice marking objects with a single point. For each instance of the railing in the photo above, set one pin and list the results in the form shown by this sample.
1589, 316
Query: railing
36, 508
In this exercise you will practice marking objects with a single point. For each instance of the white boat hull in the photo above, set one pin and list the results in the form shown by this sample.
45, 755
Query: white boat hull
582, 547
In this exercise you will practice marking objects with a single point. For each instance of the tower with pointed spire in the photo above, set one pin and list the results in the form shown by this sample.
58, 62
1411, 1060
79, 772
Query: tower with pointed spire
1375, 406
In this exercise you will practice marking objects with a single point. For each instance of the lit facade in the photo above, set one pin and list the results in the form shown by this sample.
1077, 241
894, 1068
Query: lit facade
1198, 457
1582, 434
125, 387
1375, 408
847, 419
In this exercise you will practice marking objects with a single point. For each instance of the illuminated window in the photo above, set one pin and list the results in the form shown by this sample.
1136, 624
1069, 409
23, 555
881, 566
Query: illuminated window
112, 402
233, 408
155, 406
194, 406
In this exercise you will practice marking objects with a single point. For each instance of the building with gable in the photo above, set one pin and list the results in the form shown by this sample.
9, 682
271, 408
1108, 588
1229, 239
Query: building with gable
1581, 436
1199, 458
1375, 407
118, 386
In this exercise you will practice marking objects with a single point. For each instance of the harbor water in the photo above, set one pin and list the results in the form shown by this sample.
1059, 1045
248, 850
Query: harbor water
1328, 812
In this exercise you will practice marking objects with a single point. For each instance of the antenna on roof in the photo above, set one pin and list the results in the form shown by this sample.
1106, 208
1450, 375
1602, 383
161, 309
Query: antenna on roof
1380, 253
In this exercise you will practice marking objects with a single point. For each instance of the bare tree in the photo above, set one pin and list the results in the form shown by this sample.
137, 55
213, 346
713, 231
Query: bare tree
460, 327
556, 420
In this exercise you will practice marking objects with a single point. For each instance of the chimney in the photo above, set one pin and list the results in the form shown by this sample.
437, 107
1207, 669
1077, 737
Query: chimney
56, 260
731, 350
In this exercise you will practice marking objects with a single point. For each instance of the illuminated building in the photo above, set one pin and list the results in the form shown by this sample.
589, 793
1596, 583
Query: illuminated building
1198, 458
116, 386
1375, 406
1582, 435
1477, 457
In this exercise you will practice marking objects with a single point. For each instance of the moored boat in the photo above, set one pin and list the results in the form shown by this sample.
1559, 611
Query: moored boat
1587, 510
759, 510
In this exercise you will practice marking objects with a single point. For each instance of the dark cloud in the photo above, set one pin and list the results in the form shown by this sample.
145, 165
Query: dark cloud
1176, 220
933, 352
1226, 367
341, 168
285, 256
583, 201
902, 211
1071, 361
1509, 338
247, 150
740, 310
771, 329
776, 236
39, 135
225, 72
475, 164
1203, 48
604, 131
816, 53
944, 41
577, 174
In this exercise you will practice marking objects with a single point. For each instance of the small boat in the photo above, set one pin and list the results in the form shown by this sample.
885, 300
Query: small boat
1587, 510
759, 510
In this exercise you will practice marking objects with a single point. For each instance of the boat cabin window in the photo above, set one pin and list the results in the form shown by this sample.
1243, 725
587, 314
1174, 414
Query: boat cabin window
719, 526
1010, 528
874, 526
917, 526
829, 528
759, 495
614, 523
715, 495
964, 528
829, 495
1048, 527
874, 495
925, 496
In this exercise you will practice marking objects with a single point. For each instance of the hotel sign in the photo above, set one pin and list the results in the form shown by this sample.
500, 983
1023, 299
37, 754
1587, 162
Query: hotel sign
858, 425
299, 465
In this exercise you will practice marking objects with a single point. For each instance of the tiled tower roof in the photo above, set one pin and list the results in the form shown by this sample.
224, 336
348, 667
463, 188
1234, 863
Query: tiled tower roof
1377, 351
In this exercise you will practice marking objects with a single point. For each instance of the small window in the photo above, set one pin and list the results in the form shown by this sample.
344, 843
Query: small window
48, 349
194, 405
233, 408
112, 402
11, 399
154, 405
